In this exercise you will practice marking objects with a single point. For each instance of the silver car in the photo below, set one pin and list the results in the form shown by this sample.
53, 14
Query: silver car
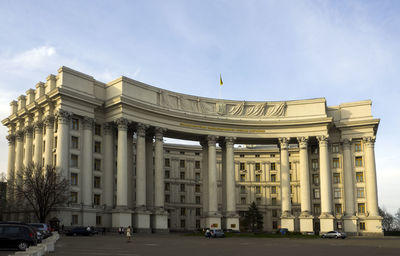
334, 234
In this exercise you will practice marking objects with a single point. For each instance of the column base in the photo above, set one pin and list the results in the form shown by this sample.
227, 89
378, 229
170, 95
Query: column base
306, 223
231, 222
121, 218
213, 220
159, 222
326, 222
350, 225
142, 221
287, 221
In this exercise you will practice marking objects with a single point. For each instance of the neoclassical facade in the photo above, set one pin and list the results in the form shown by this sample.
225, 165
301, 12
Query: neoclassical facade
309, 167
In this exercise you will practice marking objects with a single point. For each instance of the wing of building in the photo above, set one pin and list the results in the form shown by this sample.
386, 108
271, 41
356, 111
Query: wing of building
309, 167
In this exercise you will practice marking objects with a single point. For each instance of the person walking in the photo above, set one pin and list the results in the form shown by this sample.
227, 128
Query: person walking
208, 233
128, 234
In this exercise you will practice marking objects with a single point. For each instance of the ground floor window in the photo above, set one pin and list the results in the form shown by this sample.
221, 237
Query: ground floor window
98, 220
197, 223
362, 225
183, 223
274, 224
74, 220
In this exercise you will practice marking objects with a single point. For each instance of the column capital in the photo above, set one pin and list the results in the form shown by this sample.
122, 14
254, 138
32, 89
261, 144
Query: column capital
19, 135
346, 143
303, 142
323, 140
212, 139
284, 142
230, 141
49, 121
28, 130
107, 128
141, 130
122, 123
11, 139
38, 125
63, 116
369, 141
159, 133
87, 123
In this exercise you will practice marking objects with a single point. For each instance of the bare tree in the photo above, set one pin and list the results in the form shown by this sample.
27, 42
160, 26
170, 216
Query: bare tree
387, 221
40, 190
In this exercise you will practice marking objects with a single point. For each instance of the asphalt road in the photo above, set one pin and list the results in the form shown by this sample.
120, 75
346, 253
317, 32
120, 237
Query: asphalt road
176, 244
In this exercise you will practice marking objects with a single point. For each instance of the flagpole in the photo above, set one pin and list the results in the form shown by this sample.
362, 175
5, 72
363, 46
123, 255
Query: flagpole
220, 92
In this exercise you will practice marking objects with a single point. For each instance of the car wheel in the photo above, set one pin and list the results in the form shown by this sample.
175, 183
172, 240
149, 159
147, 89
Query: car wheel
22, 246
337, 237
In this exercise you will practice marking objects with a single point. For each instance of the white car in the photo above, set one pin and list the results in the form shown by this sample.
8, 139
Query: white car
334, 234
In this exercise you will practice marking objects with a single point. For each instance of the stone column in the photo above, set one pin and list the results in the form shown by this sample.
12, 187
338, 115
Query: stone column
204, 189
231, 217
19, 153
63, 139
38, 154
48, 150
326, 217
131, 185
149, 172
11, 163
306, 219
122, 215
374, 221
108, 163
349, 218
213, 219
160, 216
89, 216
287, 219
28, 146
142, 216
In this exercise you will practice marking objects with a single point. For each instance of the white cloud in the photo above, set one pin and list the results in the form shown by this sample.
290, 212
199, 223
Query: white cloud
34, 57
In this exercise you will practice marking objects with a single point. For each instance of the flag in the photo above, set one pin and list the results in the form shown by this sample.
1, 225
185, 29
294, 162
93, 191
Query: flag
220, 80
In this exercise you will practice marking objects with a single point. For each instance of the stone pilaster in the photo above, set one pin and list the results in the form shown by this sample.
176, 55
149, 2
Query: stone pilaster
287, 219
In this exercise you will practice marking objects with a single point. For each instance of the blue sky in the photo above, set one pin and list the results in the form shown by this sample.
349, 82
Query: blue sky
266, 50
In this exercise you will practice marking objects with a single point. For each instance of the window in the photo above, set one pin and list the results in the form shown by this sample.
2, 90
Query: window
182, 152
74, 161
197, 164
197, 153
359, 161
182, 163
258, 166
242, 177
317, 209
74, 197
198, 224
272, 166
337, 193
316, 193
182, 175
183, 211
166, 175
98, 220
258, 177
166, 162
198, 211
290, 165
258, 189
74, 219
336, 163
360, 177
197, 188
97, 129
291, 189
290, 177
362, 225
55, 142
97, 164
360, 193
336, 178
97, 147
198, 200
96, 199
273, 177
274, 213
338, 208
335, 148
182, 199
97, 182
257, 155
74, 179
315, 164
258, 200
272, 155
74, 142
182, 187
167, 198
183, 223
242, 166
273, 201
273, 190
315, 179
361, 208
243, 200
357, 146
75, 124
197, 176
242, 189
166, 186
241, 155
274, 224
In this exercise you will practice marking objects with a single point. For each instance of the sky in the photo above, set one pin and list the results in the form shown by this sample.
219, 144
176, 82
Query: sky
269, 50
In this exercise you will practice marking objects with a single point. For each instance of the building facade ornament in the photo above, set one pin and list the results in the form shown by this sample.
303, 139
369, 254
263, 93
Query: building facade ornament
303, 142
141, 130
63, 116
107, 128
11, 139
49, 121
323, 139
87, 123
284, 142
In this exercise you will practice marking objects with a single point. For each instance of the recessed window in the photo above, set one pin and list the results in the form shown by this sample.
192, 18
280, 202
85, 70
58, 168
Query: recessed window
198, 200
315, 164
97, 147
273, 201
358, 161
183, 211
336, 178
316, 193
337, 193
290, 165
74, 219
317, 209
182, 187
273, 177
183, 223
258, 166
243, 189
242, 166
98, 221
74, 179
75, 124
359, 177
272, 166
182, 199
197, 176
242, 155
74, 197
357, 146
182, 152
74, 161
182, 163
362, 225
96, 199
97, 164
273, 190
274, 224
243, 200
257, 155
338, 208
197, 188
314, 149
272, 155
198, 211
97, 182
166, 162
258, 189
274, 213
166, 187
315, 179
258, 200
242, 177
74, 142
197, 164
182, 175
167, 198
166, 175
258, 177
335, 163
335, 148
360, 193
361, 208
97, 129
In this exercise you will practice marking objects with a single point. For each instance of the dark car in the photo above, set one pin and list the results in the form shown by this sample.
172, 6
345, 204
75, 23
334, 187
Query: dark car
42, 228
334, 234
19, 236
79, 231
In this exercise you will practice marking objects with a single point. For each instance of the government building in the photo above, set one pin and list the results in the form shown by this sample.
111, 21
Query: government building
308, 166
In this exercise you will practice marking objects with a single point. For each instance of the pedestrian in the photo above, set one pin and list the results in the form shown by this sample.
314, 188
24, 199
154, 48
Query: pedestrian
103, 231
128, 234
208, 233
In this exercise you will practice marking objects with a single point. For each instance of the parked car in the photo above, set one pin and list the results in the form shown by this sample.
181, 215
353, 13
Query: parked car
79, 231
19, 236
216, 233
334, 234
43, 228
